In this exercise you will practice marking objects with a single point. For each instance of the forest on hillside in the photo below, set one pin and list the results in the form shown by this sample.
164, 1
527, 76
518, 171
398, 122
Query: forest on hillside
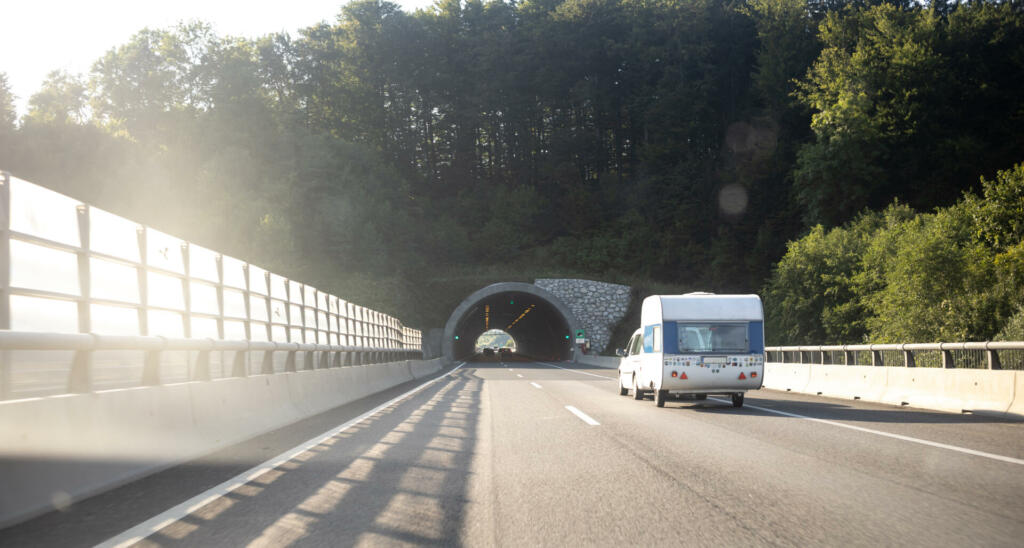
687, 142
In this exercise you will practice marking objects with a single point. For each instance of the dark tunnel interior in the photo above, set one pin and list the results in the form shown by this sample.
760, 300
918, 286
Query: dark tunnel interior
539, 329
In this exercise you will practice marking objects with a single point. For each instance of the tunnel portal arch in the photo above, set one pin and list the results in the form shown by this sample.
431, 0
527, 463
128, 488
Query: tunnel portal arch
537, 319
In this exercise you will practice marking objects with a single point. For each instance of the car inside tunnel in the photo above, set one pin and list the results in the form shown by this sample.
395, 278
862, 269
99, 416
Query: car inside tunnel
541, 325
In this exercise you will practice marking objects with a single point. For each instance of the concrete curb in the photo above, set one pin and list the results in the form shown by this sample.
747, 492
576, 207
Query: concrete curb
605, 362
999, 393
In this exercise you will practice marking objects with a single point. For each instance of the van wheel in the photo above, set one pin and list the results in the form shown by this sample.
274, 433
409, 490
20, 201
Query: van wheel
700, 397
623, 390
659, 397
737, 400
637, 393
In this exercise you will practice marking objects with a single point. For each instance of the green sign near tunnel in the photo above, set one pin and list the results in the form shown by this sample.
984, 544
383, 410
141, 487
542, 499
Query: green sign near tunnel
580, 334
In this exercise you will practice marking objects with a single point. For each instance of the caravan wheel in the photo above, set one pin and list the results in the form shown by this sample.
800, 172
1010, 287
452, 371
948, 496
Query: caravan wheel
637, 393
737, 400
659, 397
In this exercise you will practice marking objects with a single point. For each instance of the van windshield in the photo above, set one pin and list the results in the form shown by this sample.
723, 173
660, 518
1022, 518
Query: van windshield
712, 337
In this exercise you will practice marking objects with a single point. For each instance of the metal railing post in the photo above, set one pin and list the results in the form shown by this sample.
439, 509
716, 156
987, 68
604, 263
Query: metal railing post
908, 359
947, 359
876, 358
186, 319
143, 282
186, 284
5, 280
151, 368
238, 367
267, 367
245, 296
80, 376
270, 309
84, 279
288, 310
201, 371
220, 296
993, 359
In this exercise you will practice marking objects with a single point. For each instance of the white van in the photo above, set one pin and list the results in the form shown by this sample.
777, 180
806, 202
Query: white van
699, 344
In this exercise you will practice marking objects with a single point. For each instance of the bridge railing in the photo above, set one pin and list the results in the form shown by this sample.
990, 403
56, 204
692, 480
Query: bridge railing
90, 300
965, 355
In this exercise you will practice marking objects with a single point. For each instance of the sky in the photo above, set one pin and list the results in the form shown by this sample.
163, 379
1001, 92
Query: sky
39, 36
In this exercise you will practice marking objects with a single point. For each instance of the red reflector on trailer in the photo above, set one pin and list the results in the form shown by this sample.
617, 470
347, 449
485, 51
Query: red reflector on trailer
742, 376
674, 374
682, 376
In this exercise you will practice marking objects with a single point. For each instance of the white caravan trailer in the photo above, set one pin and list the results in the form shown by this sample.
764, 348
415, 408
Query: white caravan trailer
699, 344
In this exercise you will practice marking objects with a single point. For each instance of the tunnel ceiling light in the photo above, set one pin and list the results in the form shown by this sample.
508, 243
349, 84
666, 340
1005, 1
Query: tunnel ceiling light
525, 312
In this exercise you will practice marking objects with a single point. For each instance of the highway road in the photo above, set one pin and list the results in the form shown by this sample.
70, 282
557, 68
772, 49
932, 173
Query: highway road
547, 454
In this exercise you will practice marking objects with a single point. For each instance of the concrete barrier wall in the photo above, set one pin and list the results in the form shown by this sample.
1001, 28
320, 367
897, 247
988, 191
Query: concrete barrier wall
788, 377
998, 393
57, 449
606, 362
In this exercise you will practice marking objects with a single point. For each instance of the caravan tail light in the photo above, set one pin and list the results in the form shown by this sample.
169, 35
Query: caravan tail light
674, 374
753, 374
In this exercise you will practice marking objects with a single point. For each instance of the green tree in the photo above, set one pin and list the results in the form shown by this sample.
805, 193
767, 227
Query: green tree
8, 116
871, 87
61, 100
788, 44
930, 280
814, 295
909, 102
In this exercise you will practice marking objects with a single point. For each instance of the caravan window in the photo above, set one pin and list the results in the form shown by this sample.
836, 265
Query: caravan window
712, 337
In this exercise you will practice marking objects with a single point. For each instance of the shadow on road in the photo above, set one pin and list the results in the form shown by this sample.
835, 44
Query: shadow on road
398, 477
832, 410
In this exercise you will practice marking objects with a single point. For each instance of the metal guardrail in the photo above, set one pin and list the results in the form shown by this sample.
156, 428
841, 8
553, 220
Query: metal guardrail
79, 373
76, 278
965, 355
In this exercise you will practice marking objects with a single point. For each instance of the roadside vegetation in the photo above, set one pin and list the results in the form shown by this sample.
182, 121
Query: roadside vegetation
403, 160
896, 275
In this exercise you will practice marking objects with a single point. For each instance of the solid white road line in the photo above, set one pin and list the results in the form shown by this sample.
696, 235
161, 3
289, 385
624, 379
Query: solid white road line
575, 371
535, 385
583, 416
154, 524
887, 434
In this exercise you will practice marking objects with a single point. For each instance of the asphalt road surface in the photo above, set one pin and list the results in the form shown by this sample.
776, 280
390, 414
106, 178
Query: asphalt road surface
548, 454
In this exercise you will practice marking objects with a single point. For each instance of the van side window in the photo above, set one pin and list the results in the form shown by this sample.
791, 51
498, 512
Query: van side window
634, 348
657, 338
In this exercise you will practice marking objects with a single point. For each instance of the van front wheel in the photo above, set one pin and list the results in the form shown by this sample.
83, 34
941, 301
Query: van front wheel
623, 390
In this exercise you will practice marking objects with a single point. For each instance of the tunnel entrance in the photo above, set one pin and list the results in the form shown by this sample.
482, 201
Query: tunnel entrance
495, 339
536, 319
